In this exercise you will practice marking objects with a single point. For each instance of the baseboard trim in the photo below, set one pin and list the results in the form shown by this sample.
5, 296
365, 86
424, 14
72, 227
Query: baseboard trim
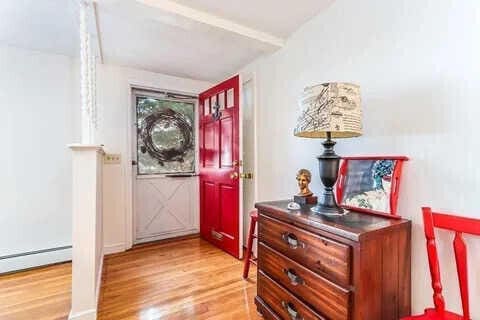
166, 235
33, 259
90, 314
114, 248
168, 240
98, 286
29, 253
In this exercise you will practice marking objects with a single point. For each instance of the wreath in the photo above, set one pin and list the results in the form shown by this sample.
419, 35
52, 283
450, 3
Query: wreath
172, 118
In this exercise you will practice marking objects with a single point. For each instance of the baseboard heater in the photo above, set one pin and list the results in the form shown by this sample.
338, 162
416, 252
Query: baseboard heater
32, 259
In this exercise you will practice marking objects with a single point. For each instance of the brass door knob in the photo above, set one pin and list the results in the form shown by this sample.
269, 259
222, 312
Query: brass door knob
234, 175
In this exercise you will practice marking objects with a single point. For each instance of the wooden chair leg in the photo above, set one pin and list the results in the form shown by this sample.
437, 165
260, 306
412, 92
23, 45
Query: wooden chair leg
248, 256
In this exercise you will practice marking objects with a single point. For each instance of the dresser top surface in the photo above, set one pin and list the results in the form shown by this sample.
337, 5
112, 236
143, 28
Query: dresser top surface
353, 225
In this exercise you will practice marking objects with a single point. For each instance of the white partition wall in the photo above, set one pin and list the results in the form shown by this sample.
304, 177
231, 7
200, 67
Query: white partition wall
87, 189
87, 230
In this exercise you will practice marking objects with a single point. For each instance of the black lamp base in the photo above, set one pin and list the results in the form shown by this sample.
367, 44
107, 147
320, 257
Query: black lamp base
328, 211
328, 163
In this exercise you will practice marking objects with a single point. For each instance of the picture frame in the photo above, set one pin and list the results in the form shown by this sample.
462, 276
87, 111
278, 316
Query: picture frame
370, 184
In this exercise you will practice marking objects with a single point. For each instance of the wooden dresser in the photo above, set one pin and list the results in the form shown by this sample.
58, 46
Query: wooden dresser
315, 267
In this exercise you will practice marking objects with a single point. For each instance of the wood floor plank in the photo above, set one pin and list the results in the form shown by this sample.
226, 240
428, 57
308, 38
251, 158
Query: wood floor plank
170, 280
42, 293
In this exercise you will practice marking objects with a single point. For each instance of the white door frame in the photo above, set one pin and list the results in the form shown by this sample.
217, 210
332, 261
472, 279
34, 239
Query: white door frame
244, 78
129, 174
127, 167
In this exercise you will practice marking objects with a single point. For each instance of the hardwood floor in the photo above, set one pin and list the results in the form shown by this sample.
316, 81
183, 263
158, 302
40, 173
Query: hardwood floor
42, 293
186, 279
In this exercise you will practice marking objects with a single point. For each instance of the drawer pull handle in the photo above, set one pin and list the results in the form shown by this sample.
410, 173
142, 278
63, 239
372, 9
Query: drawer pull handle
292, 312
292, 240
294, 278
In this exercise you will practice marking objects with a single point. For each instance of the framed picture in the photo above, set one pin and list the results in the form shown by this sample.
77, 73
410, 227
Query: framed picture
370, 184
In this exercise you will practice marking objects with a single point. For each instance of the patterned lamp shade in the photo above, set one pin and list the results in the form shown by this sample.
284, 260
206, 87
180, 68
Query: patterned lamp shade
330, 107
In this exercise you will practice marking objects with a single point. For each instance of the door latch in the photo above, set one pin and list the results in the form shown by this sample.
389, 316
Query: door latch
247, 175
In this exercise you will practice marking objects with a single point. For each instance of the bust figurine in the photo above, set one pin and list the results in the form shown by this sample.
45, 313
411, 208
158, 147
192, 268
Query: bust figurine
303, 178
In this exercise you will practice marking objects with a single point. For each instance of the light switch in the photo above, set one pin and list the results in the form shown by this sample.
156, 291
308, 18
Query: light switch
111, 158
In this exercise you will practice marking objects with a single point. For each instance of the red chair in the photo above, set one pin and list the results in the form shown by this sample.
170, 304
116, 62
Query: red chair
251, 236
459, 225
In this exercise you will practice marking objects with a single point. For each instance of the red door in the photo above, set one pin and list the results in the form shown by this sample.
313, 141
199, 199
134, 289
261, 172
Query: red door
219, 162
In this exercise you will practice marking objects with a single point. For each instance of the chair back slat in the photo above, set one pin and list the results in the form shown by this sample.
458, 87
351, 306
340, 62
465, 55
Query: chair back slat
461, 259
459, 225
434, 265
455, 223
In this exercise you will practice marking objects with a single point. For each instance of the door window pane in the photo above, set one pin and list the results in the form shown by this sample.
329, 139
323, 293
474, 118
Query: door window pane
213, 102
221, 100
206, 108
230, 101
165, 136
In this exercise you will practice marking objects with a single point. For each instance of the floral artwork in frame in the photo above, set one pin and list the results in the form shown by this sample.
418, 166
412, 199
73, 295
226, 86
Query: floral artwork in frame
370, 184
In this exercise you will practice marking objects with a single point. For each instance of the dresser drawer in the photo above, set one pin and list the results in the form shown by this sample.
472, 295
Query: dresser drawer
283, 303
265, 310
322, 255
327, 298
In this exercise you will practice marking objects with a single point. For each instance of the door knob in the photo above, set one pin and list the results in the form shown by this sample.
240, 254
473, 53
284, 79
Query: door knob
248, 175
234, 175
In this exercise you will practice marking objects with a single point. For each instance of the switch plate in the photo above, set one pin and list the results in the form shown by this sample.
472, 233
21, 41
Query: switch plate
111, 158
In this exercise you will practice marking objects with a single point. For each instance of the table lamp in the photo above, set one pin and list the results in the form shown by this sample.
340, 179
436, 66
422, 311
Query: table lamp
329, 110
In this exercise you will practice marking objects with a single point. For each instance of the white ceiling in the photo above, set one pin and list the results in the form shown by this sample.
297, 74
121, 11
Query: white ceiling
47, 25
146, 38
140, 34
278, 17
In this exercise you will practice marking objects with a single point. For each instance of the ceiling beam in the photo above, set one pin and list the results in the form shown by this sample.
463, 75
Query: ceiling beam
214, 21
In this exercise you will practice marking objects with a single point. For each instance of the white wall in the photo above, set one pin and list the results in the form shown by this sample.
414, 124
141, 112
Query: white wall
40, 107
418, 65
35, 180
113, 98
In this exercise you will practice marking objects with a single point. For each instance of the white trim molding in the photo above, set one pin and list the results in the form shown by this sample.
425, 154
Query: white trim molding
114, 248
98, 285
32, 259
90, 314
129, 173
86, 147
175, 8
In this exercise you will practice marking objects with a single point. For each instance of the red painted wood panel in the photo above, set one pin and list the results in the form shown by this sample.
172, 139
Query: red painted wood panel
460, 250
219, 170
438, 300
